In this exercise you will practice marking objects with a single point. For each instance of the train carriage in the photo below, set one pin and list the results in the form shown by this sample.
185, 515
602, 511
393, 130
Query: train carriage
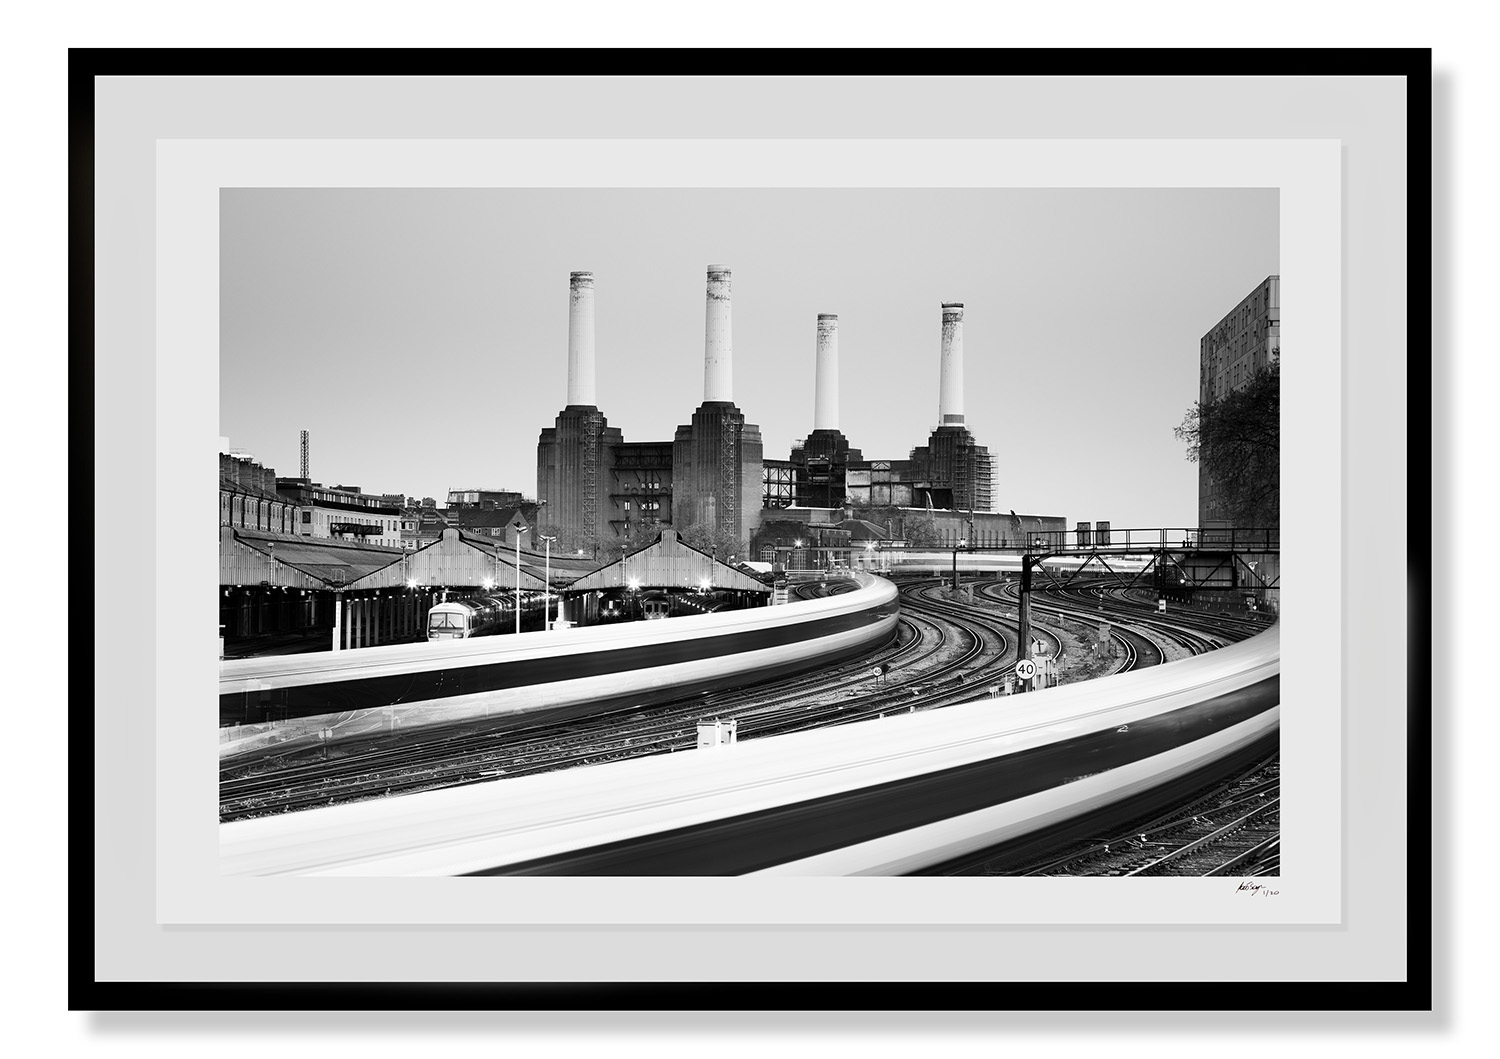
656, 605
461, 619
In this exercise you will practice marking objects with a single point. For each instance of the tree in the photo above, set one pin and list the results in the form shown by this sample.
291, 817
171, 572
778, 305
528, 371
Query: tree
917, 529
640, 532
1237, 439
877, 514
566, 543
717, 542
921, 530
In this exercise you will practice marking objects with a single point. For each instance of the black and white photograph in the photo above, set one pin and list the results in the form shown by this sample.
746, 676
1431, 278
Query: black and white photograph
778, 531
717, 538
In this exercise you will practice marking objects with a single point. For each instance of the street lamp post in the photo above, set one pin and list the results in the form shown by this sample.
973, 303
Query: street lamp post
519, 530
546, 611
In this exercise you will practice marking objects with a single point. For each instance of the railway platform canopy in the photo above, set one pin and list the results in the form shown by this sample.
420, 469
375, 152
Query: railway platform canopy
668, 563
260, 557
455, 560
558, 568
463, 560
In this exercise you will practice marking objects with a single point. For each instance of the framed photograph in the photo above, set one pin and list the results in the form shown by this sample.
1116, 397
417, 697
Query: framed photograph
668, 539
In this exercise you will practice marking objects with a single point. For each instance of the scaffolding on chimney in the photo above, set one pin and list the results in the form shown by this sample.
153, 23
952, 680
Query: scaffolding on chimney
305, 475
962, 464
589, 474
729, 459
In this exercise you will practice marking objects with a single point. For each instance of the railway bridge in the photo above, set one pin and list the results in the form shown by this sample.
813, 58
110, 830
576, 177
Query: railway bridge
1178, 563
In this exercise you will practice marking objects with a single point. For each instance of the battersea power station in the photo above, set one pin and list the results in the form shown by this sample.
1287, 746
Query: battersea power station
601, 494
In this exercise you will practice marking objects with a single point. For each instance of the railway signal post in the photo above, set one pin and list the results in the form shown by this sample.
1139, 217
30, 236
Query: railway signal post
1023, 615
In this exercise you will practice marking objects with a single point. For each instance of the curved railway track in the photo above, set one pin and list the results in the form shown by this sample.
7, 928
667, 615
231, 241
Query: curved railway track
1221, 825
519, 748
945, 651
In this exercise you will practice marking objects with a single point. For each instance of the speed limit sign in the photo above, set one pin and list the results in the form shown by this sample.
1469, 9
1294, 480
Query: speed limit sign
1025, 669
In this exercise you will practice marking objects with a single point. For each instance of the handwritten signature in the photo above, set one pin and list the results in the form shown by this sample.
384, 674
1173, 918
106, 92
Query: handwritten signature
1255, 889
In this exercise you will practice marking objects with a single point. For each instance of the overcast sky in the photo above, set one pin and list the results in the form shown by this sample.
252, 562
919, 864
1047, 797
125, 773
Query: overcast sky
421, 335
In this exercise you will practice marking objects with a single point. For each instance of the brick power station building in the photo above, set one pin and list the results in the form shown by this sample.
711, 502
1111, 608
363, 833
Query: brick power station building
596, 486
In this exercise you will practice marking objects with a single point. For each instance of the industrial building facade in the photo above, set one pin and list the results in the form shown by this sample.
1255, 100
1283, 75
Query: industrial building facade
951, 472
1234, 351
599, 489
712, 481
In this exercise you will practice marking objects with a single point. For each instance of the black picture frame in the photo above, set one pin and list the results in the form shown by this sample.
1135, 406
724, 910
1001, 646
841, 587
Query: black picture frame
1415, 993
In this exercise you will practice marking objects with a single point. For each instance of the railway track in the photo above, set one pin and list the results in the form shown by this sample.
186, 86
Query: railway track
1228, 825
1183, 632
945, 651
922, 647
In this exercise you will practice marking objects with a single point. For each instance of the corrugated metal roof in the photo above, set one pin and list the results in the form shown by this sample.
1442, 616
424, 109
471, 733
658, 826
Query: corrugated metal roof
564, 567
332, 561
669, 562
460, 558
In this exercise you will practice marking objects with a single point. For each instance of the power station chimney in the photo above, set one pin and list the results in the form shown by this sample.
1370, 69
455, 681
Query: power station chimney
581, 338
826, 384
951, 386
718, 354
